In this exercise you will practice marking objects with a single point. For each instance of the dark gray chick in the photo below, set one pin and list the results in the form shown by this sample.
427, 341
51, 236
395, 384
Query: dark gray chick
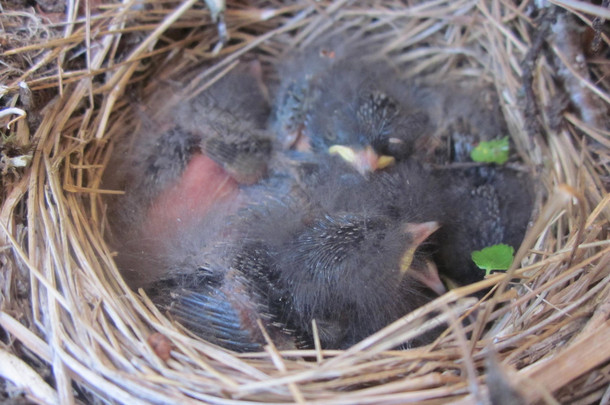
229, 120
352, 273
223, 300
475, 208
481, 207
190, 168
333, 99
337, 258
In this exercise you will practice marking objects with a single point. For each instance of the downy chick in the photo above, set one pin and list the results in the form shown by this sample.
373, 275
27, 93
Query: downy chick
223, 295
337, 258
191, 167
352, 274
475, 208
481, 207
332, 99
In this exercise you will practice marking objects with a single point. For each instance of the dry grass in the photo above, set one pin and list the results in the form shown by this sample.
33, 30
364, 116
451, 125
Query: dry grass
74, 332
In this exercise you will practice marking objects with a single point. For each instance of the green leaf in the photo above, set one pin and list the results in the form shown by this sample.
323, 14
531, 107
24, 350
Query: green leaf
496, 257
495, 151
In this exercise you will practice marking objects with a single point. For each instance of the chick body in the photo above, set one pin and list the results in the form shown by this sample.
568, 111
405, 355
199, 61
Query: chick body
190, 168
482, 207
330, 95
336, 257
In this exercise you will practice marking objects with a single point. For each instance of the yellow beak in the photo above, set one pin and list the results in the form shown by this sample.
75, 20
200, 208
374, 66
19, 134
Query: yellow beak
364, 160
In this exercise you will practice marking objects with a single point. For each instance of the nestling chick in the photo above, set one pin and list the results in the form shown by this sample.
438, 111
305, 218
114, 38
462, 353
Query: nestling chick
331, 99
465, 113
350, 272
482, 207
208, 275
475, 208
232, 129
336, 259
297, 90
220, 287
224, 302
189, 170
365, 104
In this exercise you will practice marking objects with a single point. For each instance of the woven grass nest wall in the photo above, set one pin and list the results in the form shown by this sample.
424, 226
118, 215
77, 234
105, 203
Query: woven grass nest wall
73, 332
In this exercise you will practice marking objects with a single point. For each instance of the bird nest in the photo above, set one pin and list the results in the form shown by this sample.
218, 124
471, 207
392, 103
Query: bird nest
75, 76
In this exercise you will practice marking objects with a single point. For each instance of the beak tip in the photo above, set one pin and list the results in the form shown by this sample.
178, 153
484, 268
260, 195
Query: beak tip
421, 231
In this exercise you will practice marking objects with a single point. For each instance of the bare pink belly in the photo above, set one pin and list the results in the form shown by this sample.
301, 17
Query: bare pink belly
203, 189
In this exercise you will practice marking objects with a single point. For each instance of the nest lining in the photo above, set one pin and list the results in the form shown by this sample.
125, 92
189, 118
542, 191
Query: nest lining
73, 331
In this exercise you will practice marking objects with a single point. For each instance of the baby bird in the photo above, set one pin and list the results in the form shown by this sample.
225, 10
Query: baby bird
353, 274
191, 168
226, 300
365, 105
475, 208
482, 207
337, 259
230, 118
297, 90
465, 114
331, 99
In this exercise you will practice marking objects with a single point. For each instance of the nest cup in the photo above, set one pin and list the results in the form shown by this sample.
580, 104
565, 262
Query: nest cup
72, 331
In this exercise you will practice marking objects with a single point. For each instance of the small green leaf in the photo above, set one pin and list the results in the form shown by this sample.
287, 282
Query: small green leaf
495, 151
496, 257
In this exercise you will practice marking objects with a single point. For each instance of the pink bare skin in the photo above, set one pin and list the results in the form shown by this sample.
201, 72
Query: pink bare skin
204, 185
